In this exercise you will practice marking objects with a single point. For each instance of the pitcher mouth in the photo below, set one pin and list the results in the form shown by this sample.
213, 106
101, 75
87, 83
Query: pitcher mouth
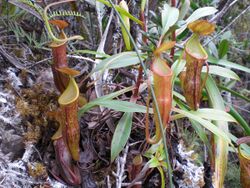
70, 94
160, 67
194, 48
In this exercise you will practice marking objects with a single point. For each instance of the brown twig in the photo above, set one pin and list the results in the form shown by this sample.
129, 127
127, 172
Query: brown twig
225, 28
223, 11
139, 78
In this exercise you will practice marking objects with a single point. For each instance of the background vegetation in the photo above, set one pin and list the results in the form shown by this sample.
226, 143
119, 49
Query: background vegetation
113, 148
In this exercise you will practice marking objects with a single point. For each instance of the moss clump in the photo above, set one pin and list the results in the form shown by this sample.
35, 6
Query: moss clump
33, 106
233, 176
37, 170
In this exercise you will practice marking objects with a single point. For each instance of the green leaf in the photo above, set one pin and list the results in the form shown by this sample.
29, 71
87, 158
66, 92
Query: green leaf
240, 120
213, 49
121, 135
154, 99
197, 127
235, 93
91, 52
229, 64
95, 102
221, 145
177, 67
169, 17
122, 11
143, 4
115, 94
201, 12
154, 162
221, 71
7, 8
162, 176
180, 96
123, 4
210, 114
214, 114
152, 150
223, 48
116, 61
202, 134
194, 5
185, 5
207, 124
197, 14
123, 106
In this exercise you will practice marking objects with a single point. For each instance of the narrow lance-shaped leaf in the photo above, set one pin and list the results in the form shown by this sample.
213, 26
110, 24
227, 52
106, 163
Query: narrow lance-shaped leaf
169, 17
205, 123
223, 48
197, 14
121, 134
221, 71
229, 64
197, 126
125, 19
221, 146
123, 59
185, 5
122, 106
143, 4
177, 67
122, 11
210, 114
108, 97
240, 120
233, 92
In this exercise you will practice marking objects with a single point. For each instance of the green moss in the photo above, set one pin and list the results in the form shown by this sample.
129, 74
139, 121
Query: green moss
232, 179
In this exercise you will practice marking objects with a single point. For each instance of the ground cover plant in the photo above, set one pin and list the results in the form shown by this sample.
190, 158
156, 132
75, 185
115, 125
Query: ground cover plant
121, 94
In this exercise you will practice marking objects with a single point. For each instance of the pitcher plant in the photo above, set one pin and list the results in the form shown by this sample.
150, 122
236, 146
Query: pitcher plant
196, 57
162, 76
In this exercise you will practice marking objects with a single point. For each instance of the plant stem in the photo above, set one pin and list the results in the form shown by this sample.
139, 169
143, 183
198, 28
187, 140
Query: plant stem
173, 3
153, 96
138, 83
139, 78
